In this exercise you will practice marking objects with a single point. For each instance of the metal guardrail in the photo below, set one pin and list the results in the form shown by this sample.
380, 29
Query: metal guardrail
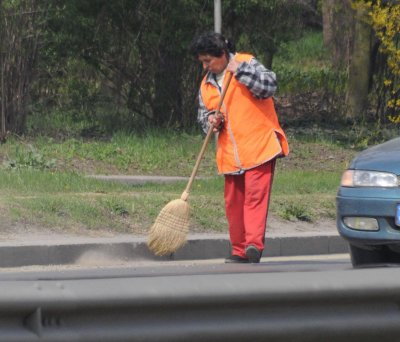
351, 305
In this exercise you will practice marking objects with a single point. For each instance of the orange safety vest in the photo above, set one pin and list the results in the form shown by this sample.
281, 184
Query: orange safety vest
251, 134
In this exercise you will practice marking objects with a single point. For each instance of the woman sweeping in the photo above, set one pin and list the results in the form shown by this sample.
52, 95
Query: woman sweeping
249, 141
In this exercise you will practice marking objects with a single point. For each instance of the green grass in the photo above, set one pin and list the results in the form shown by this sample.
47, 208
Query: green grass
303, 66
309, 51
33, 182
153, 152
70, 201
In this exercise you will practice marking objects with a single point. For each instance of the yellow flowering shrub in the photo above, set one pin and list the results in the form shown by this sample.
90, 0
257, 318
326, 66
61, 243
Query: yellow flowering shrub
384, 17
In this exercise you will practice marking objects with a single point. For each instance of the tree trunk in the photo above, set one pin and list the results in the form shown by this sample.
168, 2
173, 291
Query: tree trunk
18, 48
360, 68
338, 28
327, 22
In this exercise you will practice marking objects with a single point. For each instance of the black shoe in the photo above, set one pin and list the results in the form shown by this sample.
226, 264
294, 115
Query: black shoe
253, 254
236, 259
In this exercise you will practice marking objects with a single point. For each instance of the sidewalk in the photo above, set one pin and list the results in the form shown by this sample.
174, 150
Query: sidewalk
282, 238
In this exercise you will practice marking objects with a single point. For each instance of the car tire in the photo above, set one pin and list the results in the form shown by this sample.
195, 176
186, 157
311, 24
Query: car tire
367, 256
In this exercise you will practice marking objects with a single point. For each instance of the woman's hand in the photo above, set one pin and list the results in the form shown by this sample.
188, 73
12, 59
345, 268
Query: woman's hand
233, 65
215, 121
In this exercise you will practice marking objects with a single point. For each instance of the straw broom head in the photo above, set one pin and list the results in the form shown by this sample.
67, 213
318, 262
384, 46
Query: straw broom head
169, 231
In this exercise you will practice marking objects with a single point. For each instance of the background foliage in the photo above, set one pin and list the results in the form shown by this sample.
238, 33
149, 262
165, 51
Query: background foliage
93, 67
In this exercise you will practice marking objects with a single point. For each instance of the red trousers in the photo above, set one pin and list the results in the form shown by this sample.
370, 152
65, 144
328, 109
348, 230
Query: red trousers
246, 205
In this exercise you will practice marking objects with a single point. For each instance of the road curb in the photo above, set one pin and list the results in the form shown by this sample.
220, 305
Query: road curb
135, 249
219, 247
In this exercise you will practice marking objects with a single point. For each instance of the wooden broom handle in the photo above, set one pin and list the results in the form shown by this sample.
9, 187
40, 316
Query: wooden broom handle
185, 194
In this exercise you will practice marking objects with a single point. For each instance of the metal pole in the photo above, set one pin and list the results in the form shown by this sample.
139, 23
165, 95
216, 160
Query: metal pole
3, 110
217, 29
217, 16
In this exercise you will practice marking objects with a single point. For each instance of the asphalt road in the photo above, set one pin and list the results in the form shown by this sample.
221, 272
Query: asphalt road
139, 269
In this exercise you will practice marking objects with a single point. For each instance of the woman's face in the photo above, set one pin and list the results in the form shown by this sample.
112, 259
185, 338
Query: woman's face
214, 64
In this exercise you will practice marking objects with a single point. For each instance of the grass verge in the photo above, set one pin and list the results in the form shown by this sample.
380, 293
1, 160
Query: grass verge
76, 204
44, 183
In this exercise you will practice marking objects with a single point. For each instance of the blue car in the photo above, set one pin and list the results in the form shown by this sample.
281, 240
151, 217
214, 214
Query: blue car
368, 205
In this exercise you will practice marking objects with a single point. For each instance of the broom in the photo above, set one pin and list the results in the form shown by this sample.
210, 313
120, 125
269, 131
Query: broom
169, 231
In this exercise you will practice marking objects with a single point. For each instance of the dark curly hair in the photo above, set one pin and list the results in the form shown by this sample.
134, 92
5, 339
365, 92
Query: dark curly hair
211, 43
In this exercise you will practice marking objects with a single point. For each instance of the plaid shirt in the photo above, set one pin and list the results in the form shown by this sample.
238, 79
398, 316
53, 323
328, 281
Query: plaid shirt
260, 81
